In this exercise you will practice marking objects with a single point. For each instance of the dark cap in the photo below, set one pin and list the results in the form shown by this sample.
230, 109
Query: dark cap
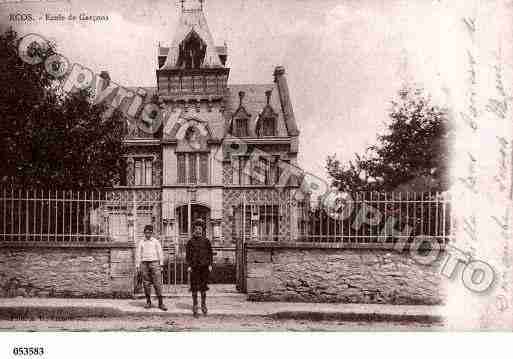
148, 227
198, 222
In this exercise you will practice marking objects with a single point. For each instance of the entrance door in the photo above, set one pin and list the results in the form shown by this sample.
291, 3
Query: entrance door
175, 270
185, 223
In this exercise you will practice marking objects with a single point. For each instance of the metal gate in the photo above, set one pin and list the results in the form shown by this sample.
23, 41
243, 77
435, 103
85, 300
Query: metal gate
175, 269
258, 219
174, 246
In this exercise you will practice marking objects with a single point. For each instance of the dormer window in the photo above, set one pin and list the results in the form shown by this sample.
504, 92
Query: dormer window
192, 51
240, 120
266, 125
241, 127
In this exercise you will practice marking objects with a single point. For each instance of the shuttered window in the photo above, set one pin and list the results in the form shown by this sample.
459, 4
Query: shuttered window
181, 168
241, 127
203, 176
143, 171
193, 168
193, 175
148, 172
267, 127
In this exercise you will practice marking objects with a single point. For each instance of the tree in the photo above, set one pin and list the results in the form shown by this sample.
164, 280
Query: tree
51, 139
412, 155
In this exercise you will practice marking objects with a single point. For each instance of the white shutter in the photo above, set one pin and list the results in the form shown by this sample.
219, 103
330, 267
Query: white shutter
148, 172
138, 173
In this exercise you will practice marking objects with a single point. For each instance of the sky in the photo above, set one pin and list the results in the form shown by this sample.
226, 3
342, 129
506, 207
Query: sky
344, 60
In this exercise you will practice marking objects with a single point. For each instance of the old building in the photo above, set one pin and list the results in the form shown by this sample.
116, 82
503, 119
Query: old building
215, 148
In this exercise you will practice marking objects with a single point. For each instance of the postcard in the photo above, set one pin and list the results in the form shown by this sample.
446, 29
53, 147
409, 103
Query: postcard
208, 165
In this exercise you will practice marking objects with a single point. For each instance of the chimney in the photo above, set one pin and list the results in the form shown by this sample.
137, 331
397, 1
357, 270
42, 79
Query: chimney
241, 97
286, 105
105, 75
279, 71
268, 96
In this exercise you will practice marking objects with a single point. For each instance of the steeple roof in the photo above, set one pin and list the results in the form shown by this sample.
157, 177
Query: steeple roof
192, 20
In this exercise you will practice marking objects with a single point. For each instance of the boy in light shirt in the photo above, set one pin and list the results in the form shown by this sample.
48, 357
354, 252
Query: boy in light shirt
149, 258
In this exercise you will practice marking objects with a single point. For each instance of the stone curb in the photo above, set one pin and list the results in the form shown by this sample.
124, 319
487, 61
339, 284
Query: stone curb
358, 317
83, 312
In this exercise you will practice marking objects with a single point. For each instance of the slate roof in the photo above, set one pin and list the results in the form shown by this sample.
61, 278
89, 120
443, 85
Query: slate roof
190, 20
254, 102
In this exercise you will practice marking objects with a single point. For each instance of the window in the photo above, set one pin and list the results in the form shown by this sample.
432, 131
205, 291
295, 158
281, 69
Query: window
203, 167
118, 226
241, 127
143, 171
267, 127
260, 221
259, 173
275, 170
193, 168
243, 171
268, 222
193, 178
123, 173
192, 51
183, 224
265, 168
263, 172
181, 168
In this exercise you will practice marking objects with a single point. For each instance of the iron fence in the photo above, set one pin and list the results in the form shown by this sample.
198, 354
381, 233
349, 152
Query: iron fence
36, 215
373, 217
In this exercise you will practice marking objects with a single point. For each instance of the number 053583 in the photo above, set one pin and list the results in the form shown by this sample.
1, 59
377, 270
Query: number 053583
27, 351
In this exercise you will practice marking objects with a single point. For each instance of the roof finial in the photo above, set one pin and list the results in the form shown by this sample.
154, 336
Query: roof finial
268, 96
192, 8
241, 96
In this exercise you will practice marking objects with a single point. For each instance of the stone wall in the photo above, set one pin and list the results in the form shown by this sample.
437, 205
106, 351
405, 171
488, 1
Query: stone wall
310, 274
50, 270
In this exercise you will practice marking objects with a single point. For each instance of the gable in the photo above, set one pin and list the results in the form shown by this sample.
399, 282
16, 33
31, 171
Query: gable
254, 104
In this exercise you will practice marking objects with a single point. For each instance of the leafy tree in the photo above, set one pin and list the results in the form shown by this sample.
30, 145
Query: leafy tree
51, 139
411, 156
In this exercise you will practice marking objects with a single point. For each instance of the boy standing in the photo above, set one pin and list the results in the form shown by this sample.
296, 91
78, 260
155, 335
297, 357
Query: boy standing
149, 258
199, 259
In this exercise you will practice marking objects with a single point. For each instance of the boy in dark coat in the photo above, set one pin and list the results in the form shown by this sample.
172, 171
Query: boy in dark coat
199, 259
